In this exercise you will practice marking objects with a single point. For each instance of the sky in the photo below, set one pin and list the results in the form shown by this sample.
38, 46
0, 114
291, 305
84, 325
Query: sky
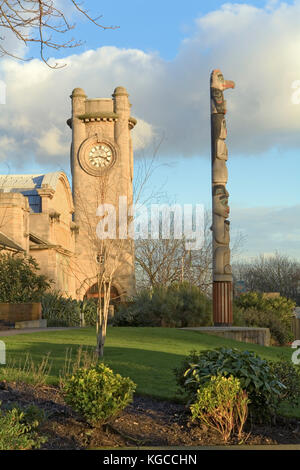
163, 53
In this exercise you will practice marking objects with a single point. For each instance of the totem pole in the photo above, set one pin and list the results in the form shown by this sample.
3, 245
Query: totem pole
222, 276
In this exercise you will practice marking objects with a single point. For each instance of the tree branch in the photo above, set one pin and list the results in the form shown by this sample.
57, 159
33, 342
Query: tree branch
28, 20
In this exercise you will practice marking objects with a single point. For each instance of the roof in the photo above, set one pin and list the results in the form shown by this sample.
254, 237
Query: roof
29, 184
36, 239
9, 183
6, 242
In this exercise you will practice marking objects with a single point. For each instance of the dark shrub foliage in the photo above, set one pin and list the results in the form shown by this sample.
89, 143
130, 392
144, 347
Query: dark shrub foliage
177, 305
275, 313
280, 332
20, 280
65, 311
255, 374
289, 375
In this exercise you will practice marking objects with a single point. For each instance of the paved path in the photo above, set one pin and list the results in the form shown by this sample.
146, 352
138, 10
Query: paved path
22, 331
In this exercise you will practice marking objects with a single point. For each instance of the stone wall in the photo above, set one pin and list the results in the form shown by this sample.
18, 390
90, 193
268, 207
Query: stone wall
246, 334
12, 313
14, 218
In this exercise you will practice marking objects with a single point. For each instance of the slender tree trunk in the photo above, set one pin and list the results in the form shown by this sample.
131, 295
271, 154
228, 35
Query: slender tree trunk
102, 316
102, 338
98, 328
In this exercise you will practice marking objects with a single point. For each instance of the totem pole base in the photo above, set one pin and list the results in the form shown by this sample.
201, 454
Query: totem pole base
222, 303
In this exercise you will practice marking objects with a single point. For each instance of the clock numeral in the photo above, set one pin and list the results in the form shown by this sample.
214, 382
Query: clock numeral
100, 156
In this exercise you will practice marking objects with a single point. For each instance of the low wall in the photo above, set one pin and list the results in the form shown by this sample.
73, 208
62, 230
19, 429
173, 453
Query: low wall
12, 313
19, 325
246, 334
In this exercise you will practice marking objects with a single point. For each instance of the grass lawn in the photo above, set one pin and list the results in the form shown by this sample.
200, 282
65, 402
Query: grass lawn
146, 355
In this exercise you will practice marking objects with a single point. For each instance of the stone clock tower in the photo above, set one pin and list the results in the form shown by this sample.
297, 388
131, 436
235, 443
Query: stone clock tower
102, 170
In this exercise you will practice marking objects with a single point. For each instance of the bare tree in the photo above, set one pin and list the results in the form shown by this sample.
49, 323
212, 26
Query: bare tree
40, 22
158, 262
109, 254
163, 261
277, 273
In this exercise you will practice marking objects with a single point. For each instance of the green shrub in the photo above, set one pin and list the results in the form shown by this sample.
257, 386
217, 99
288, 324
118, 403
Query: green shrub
222, 405
238, 316
88, 308
177, 305
85, 358
59, 310
255, 375
20, 280
18, 428
98, 393
65, 311
280, 331
289, 375
275, 313
256, 300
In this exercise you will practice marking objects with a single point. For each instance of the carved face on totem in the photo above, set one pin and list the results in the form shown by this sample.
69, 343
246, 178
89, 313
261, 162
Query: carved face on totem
222, 151
220, 201
217, 86
223, 130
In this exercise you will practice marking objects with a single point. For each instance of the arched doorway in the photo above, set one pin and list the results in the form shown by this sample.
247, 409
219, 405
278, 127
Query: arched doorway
92, 293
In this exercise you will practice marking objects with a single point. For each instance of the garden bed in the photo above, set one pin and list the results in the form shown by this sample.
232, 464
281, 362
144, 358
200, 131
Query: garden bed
146, 422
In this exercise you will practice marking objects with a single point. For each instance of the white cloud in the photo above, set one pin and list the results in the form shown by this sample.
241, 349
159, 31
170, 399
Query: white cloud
7, 145
142, 134
276, 228
256, 47
51, 142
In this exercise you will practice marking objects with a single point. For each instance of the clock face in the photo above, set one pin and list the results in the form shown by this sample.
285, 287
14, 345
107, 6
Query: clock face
97, 157
100, 156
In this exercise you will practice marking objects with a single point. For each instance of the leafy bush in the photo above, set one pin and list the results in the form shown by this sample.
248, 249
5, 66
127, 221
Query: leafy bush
222, 404
98, 393
65, 311
19, 279
60, 310
289, 375
256, 300
88, 308
18, 429
256, 377
280, 331
177, 305
275, 313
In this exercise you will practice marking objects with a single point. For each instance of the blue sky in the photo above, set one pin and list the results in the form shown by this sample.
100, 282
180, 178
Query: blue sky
163, 52
153, 26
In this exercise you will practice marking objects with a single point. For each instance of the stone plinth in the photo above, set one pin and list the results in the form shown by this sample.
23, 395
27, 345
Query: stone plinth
246, 334
25, 315
42, 323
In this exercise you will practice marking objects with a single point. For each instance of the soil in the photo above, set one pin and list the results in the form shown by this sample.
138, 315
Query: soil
146, 422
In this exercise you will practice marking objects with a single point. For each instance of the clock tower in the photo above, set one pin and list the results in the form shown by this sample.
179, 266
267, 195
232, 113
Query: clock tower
102, 172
